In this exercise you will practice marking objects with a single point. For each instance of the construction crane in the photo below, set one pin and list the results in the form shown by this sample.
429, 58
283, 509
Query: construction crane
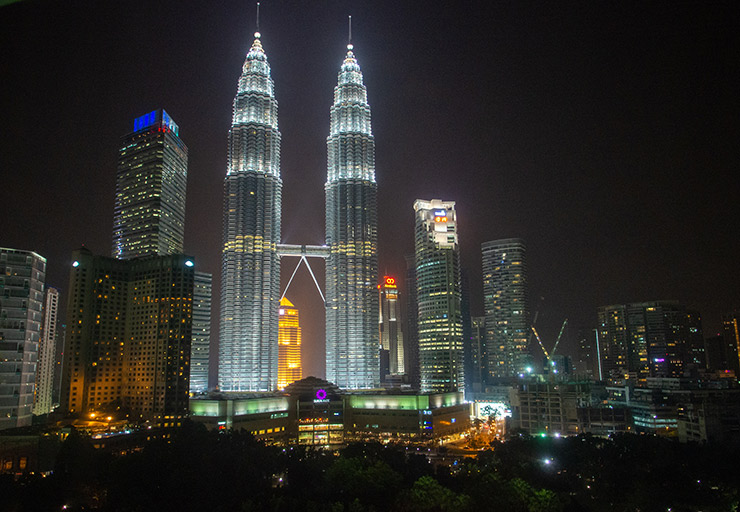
554, 348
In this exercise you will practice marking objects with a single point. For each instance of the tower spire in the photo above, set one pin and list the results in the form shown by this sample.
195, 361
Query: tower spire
257, 33
349, 39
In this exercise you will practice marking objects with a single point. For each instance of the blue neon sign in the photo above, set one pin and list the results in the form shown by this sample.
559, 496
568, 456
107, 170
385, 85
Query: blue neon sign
145, 121
153, 118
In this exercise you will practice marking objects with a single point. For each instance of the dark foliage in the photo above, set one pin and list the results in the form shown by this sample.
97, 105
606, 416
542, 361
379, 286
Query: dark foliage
200, 470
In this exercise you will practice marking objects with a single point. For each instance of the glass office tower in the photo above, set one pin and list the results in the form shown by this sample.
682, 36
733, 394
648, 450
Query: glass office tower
250, 272
352, 235
149, 214
201, 344
438, 296
290, 368
391, 335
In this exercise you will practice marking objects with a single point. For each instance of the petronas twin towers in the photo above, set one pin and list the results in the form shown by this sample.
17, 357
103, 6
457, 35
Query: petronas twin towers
250, 274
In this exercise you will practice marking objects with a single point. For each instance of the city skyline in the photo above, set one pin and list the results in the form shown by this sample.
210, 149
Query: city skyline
601, 135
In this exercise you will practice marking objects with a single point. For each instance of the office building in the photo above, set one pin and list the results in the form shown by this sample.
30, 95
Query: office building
290, 368
731, 335
566, 409
585, 366
22, 275
200, 354
621, 356
352, 236
721, 354
649, 339
129, 337
412, 325
149, 214
477, 343
250, 272
467, 332
391, 336
506, 307
43, 401
438, 295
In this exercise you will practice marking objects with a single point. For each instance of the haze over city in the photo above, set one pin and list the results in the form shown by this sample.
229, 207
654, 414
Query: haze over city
603, 135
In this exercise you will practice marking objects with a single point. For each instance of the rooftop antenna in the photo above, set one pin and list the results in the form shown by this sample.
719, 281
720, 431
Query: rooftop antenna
257, 34
349, 39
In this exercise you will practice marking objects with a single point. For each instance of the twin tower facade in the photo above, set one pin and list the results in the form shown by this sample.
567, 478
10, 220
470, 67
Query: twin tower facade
250, 274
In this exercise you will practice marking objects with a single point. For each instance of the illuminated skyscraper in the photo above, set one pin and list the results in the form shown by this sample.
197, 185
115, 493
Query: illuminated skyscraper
505, 303
42, 401
439, 296
22, 275
201, 346
289, 344
391, 336
351, 233
149, 214
129, 337
250, 272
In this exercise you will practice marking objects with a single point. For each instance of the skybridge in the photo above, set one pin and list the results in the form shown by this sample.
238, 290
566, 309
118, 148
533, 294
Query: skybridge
303, 252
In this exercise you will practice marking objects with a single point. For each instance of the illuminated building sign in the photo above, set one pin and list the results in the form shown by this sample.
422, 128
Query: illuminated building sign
389, 285
145, 121
320, 394
152, 118
169, 123
440, 215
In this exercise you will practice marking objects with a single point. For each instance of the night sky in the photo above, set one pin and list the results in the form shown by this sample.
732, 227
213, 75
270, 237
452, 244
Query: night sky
605, 134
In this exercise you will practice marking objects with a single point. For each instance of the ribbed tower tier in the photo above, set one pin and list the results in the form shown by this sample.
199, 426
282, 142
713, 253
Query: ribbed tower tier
250, 275
352, 235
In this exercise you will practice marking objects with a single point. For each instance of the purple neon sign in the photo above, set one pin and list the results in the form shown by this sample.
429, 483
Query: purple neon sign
321, 394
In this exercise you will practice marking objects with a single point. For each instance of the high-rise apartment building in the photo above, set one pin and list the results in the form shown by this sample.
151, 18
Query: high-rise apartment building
201, 343
43, 402
391, 335
649, 339
290, 368
129, 337
250, 272
22, 275
438, 288
506, 307
351, 234
149, 214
